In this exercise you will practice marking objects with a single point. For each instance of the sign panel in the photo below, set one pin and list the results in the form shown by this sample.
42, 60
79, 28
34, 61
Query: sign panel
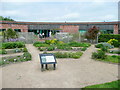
47, 59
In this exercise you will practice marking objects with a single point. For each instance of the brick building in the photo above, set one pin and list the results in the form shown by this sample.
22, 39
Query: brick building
71, 27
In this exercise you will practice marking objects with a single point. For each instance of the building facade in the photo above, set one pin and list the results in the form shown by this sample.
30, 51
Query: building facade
71, 27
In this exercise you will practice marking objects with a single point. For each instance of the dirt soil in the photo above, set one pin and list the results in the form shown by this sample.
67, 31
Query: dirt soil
70, 73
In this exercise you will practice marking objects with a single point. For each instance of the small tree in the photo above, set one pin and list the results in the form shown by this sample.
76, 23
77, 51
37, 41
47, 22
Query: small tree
10, 34
91, 34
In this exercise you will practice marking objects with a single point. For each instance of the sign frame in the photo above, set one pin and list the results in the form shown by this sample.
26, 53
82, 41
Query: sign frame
50, 54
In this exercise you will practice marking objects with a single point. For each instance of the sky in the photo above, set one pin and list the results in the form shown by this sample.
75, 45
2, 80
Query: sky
60, 10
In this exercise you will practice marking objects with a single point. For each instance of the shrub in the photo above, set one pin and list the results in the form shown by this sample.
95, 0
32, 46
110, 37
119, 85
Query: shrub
105, 49
51, 48
54, 41
107, 37
114, 51
83, 49
25, 50
17, 50
11, 45
104, 44
77, 44
113, 42
99, 55
27, 56
3, 51
41, 49
99, 45
37, 43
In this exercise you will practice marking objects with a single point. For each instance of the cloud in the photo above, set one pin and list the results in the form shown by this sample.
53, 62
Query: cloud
59, 0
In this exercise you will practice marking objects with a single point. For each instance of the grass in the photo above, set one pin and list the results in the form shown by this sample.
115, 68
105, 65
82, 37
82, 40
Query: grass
112, 59
113, 84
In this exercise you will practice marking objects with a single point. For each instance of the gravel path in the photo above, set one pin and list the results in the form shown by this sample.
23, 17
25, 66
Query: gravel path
70, 73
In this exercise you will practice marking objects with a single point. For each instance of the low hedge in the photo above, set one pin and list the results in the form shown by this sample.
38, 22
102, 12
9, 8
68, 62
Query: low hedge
107, 37
11, 45
7, 60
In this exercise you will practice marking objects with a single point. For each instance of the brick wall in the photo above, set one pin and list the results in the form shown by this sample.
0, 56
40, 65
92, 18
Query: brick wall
70, 28
24, 28
115, 29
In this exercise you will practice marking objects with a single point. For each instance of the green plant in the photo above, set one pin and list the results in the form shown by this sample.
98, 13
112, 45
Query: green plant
107, 37
41, 49
27, 56
17, 50
3, 51
25, 50
51, 48
99, 55
77, 44
83, 49
99, 45
113, 42
105, 49
11, 45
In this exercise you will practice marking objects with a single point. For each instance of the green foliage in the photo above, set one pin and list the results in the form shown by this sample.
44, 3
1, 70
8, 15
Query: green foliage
99, 55
75, 55
17, 50
114, 51
25, 50
99, 45
27, 55
54, 41
107, 37
83, 49
77, 44
113, 85
11, 45
41, 49
51, 48
104, 44
40, 44
10, 33
5, 18
3, 51
113, 42
105, 49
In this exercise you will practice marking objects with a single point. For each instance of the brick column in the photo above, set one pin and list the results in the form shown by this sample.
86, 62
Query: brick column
24, 30
115, 29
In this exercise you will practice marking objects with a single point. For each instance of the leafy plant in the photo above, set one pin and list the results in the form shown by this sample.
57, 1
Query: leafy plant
99, 55
113, 42
25, 50
27, 56
3, 51
51, 48
83, 49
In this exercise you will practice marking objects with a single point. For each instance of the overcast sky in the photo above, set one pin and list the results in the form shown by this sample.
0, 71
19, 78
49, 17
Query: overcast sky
60, 10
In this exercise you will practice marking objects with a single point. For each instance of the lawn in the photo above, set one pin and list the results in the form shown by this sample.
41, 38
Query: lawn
112, 59
113, 84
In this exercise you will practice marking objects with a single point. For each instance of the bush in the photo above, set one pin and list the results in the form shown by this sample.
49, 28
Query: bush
114, 51
37, 43
51, 48
113, 42
75, 55
83, 49
25, 50
17, 50
104, 44
3, 51
11, 45
99, 55
77, 44
107, 37
41, 49
27, 56
99, 45
54, 41
105, 49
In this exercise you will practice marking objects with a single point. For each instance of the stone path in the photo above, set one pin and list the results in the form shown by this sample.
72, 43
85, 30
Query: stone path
70, 73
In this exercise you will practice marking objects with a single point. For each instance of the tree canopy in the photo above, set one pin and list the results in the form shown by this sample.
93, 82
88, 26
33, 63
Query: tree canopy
5, 18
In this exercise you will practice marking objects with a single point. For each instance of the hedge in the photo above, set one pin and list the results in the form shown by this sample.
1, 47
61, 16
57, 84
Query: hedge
107, 37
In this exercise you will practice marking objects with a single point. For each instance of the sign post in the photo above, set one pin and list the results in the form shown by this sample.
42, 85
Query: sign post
46, 59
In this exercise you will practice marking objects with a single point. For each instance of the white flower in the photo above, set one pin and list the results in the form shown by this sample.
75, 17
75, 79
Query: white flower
14, 60
24, 57
4, 60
